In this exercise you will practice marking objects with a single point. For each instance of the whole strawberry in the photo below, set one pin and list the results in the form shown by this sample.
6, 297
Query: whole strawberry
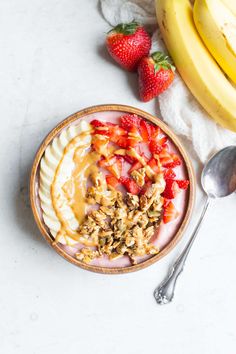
156, 73
128, 44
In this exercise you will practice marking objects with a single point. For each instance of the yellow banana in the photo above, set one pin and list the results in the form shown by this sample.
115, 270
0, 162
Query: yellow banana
194, 62
216, 25
231, 4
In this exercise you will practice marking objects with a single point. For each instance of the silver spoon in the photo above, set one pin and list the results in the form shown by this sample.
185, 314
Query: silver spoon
218, 180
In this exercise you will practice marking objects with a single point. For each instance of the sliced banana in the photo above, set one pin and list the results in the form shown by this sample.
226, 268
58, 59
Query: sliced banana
56, 157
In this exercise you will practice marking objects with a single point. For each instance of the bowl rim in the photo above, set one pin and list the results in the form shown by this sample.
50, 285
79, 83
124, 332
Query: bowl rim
189, 206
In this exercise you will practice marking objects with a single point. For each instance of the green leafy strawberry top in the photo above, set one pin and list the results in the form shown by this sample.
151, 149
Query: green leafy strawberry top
126, 28
162, 61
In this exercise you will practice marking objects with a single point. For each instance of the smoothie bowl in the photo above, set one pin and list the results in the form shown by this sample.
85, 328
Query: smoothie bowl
112, 189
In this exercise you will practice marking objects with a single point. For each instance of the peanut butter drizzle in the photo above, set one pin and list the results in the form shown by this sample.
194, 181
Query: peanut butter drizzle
75, 187
84, 167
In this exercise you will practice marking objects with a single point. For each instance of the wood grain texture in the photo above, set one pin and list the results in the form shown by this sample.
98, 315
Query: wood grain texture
34, 187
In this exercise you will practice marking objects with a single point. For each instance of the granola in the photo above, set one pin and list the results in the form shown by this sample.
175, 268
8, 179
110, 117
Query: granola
125, 224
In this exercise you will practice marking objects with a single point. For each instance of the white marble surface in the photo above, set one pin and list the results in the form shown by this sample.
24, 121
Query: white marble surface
53, 63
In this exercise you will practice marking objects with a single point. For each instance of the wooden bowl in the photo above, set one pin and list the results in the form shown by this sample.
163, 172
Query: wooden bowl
34, 188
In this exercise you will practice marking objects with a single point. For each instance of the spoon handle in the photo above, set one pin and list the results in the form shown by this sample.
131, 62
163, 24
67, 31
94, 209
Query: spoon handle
164, 293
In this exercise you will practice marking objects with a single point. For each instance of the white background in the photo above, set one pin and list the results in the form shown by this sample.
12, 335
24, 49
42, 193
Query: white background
53, 63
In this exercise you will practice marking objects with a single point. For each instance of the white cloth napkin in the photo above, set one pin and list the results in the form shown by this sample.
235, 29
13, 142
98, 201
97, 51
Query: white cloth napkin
178, 107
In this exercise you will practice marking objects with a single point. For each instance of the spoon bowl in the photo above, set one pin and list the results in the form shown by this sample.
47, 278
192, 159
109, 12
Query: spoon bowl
219, 174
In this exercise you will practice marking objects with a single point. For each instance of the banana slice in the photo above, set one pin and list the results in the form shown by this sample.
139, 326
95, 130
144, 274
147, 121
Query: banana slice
56, 157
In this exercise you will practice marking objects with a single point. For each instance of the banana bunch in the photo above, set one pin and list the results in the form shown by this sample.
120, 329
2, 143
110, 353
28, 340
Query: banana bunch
202, 42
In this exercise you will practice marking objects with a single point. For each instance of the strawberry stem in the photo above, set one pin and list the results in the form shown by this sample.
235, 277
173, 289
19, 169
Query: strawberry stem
162, 61
125, 28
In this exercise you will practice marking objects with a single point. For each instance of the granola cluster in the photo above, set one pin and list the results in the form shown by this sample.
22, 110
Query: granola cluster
121, 224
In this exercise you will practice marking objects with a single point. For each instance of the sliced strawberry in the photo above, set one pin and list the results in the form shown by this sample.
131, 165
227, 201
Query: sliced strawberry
130, 185
128, 121
112, 181
157, 145
134, 132
166, 202
169, 174
117, 168
165, 157
154, 165
154, 131
175, 162
106, 162
97, 123
100, 145
145, 187
126, 142
144, 131
129, 140
136, 155
122, 141
130, 159
170, 212
116, 132
131, 154
102, 131
144, 157
136, 166
171, 189
169, 160
148, 131
138, 126
132, 142
183, 184
119, 131
100, 127
162, 141
113, 164
109, 129
134, 137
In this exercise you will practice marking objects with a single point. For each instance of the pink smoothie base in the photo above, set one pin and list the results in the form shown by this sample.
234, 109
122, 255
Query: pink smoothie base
165, 232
